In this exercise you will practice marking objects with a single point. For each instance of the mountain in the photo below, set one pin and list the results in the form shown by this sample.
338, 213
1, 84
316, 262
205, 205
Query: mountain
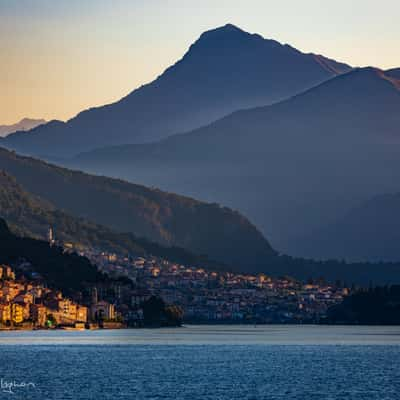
165, 218
370, 231
393, 73
226, 69
25, 124
290, 167
68, 272
31, 216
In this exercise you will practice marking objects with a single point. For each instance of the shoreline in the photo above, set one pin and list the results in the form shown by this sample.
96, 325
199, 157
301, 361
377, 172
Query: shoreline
190, 324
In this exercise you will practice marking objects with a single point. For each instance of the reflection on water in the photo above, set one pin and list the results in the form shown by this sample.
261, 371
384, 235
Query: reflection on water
207, 334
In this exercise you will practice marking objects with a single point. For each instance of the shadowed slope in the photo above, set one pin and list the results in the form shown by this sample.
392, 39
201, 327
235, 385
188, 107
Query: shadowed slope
31, 216
66, 272
370, 231
165, 218
291, 166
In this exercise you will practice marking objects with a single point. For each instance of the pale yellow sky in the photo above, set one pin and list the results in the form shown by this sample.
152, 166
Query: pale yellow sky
60, 57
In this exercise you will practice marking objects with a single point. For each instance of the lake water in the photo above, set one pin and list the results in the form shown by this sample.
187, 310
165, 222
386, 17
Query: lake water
203, 363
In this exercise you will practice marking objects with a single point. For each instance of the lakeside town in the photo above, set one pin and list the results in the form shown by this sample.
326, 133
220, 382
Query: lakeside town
28, 305
192, 294
224, 297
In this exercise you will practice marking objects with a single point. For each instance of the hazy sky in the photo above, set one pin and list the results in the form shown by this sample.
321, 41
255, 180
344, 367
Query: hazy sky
59, 57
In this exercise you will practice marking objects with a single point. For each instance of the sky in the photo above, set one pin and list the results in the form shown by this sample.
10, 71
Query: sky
61, 57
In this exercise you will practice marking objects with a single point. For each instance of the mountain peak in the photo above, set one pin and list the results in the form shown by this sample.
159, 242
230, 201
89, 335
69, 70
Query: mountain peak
25, 124
378, 73
370, 74
225, 70
226, 32
227, 28
31, 120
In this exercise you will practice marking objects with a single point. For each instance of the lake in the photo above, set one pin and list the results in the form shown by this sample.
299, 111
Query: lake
203, 362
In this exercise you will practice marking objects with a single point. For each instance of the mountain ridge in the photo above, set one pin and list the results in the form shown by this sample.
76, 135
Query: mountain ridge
226, 69
368, 231
208, 229
394, 72
25, 124
370, 73
31, 216
339, 136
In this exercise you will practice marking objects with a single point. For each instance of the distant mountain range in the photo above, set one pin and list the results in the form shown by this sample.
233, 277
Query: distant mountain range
225, 70
291, 167
167, 219
370, 231
292, 140
25, 124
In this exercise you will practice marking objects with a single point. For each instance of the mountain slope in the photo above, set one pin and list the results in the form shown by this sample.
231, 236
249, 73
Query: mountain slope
394, 73
291, 166
165, 218
68, 272
31, 216
25, 124
370, 231
226, 69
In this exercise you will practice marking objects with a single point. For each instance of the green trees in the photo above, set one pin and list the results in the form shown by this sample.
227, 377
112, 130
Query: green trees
174, 314
374, 306
51, 321
157, 313
67, 272
29, 215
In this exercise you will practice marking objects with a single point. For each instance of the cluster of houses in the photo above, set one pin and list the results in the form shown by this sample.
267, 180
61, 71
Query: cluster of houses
207, 296
204, 296
32, 305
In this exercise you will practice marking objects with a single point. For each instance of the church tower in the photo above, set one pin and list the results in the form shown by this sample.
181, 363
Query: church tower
50, 236
94, 296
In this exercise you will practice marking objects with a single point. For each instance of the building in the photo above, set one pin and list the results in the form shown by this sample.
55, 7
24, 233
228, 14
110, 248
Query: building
102, 311
65, 311
81, 314
17, 313
38, 313
50, 236
6, 272
5, 313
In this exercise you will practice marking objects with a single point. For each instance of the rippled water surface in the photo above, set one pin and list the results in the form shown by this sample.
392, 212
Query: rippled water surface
278, 362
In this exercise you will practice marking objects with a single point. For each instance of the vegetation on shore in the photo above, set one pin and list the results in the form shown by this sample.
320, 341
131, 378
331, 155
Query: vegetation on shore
157, 313
374, 306
66, 272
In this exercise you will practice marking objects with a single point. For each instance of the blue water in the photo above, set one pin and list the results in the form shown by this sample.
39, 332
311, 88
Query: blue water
187, 364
